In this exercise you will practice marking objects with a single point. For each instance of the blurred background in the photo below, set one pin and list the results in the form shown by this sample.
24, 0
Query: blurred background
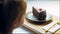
51, 6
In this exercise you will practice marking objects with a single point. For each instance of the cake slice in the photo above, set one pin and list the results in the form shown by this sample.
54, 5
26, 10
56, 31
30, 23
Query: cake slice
40, 14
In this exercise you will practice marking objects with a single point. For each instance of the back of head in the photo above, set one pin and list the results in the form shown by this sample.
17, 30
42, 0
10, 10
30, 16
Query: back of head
11, 14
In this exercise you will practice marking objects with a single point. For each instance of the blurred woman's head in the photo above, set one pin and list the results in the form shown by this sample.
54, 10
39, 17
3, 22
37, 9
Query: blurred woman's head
11, 14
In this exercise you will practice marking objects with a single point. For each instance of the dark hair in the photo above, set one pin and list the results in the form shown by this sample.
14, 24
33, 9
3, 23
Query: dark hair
9, 11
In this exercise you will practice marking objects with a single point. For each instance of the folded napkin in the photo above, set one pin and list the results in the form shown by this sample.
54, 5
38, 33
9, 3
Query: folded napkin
49, 26
54, 29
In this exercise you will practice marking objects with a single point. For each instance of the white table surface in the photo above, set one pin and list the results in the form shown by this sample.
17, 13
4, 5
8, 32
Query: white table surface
51, 7
21, 30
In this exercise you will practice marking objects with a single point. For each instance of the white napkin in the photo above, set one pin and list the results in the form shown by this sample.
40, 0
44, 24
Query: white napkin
54, 28
49, 26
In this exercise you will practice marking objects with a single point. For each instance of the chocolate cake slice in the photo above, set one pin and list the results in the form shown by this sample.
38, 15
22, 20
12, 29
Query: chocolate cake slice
40, 14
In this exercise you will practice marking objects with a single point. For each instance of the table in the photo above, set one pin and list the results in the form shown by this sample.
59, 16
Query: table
36, 28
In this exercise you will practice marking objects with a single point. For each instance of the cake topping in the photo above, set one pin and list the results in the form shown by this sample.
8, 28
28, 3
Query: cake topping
40, 9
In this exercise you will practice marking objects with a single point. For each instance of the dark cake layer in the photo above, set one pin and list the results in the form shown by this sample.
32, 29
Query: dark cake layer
40, 15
